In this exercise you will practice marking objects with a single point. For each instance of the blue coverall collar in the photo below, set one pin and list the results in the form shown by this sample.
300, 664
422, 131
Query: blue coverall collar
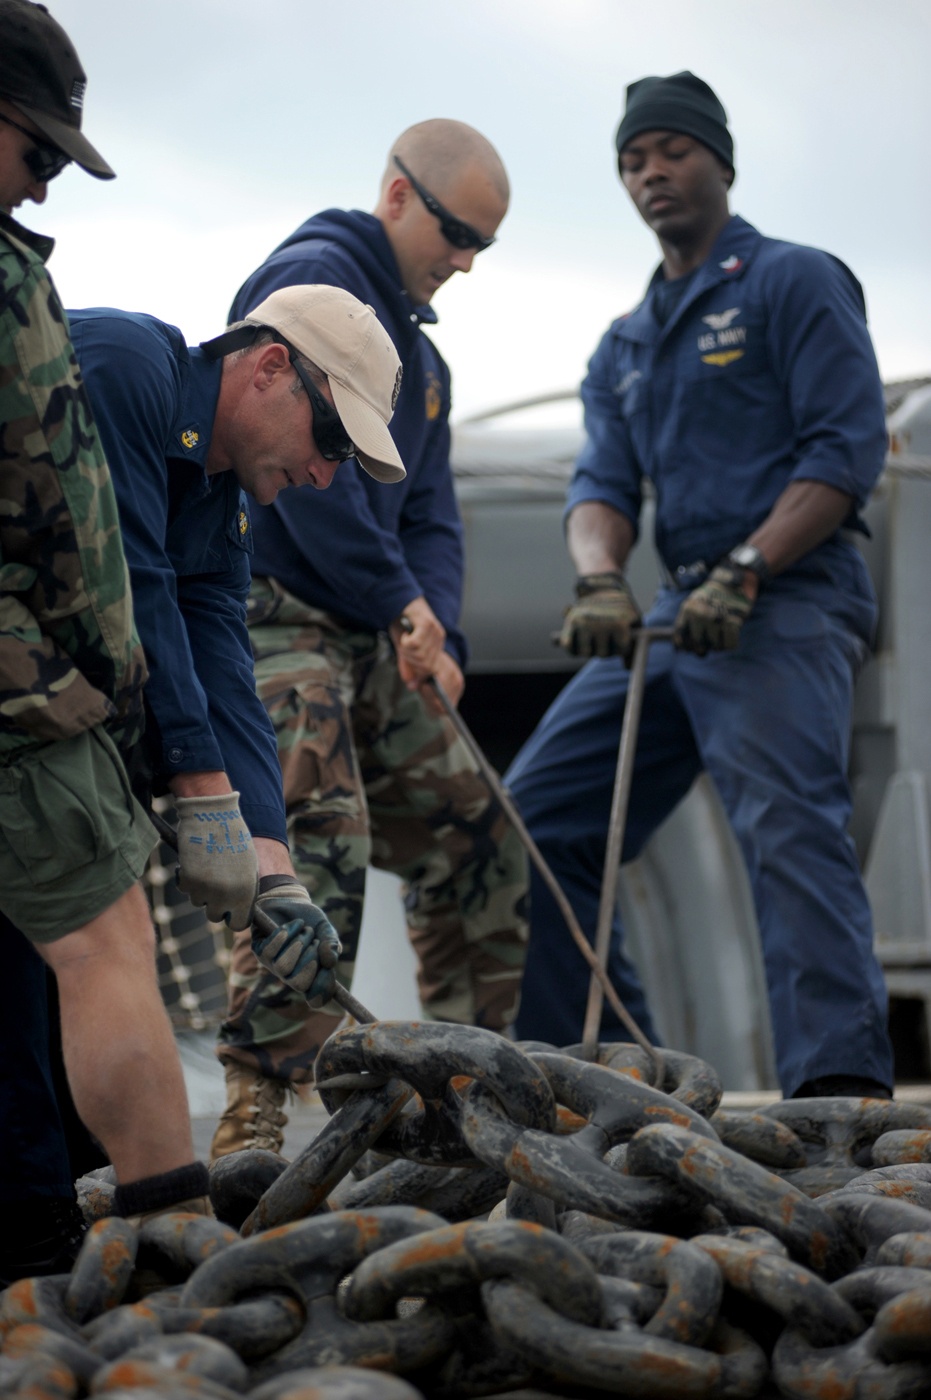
192, 428
732, 251
375, 244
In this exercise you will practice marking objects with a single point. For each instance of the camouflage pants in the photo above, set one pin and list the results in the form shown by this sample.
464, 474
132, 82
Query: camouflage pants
371, 778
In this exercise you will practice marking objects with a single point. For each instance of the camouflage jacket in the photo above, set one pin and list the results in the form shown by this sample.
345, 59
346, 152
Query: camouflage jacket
69, 654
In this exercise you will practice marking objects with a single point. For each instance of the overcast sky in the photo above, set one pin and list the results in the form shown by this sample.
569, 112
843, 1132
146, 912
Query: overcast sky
230, 121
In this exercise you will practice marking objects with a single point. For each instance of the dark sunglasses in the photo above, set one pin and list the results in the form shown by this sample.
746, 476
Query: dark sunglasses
333, 442
455, 231
43, 161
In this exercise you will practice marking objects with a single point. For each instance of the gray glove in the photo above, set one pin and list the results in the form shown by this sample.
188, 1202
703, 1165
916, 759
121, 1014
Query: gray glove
217, 865
602, 622
304, 947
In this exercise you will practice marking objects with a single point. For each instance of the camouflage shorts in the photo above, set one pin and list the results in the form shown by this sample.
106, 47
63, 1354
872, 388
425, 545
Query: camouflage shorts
372, 778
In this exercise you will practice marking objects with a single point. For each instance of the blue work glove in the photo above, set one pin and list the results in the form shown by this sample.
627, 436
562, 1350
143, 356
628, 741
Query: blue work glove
304, 947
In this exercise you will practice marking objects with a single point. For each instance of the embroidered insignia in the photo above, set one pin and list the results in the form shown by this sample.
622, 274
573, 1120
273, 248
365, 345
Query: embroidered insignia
720, 320
78, 89
722, 357
243, 523
190, 438
434, 401
731, 264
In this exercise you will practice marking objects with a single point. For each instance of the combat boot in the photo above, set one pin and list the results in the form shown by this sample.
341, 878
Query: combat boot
254, 1114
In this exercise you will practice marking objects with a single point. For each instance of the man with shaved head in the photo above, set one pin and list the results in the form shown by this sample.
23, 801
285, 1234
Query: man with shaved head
355, 605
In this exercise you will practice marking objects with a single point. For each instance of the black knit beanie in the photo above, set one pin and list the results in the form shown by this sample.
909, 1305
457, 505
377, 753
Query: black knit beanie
679, 103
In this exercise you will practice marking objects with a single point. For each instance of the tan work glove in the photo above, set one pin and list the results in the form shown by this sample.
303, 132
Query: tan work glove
603, 621
711, 617
217, 865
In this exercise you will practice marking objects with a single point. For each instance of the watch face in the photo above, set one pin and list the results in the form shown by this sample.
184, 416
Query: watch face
747, 556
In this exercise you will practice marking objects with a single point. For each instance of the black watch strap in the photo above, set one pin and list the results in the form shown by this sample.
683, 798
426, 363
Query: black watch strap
747, 556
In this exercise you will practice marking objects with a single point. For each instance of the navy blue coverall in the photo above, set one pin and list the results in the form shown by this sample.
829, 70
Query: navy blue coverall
763, 375
188, 539
362, 553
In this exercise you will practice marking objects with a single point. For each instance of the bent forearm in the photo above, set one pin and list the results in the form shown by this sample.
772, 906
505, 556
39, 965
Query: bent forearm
806, 514
599, 538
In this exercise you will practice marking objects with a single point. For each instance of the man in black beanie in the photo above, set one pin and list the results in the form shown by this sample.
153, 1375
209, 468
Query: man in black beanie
745, 387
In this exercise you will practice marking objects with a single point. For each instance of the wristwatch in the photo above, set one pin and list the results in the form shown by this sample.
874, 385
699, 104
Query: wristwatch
747, 556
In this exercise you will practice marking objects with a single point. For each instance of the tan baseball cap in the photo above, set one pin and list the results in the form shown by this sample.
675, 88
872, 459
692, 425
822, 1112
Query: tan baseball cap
347, 341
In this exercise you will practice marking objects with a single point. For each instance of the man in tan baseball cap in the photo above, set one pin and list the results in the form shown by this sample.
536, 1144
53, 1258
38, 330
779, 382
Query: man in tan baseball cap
280, 399
346, 351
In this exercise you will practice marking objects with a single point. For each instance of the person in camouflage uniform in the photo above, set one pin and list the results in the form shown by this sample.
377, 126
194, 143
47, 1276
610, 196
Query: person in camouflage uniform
73, 842
355, 604
403, 795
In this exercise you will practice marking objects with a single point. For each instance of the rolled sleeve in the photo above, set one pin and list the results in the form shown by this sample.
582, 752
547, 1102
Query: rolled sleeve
818, 334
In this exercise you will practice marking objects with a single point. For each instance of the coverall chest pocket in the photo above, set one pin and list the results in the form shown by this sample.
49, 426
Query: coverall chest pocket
731, 408
721, 346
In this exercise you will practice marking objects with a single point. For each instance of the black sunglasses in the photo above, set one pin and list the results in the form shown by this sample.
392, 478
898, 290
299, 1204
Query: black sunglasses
333, 442
455, 231
43, 161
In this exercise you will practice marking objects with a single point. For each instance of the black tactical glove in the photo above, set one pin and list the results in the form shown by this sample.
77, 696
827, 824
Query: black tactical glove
603, 621
304, 948
710, 619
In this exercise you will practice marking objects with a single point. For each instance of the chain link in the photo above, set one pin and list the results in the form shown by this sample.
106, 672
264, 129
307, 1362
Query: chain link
641, 1242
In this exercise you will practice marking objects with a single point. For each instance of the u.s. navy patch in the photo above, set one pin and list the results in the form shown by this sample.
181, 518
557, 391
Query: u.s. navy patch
724, 342
190, 438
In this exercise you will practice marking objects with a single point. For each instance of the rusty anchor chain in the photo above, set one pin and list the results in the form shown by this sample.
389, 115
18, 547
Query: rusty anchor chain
642, 1242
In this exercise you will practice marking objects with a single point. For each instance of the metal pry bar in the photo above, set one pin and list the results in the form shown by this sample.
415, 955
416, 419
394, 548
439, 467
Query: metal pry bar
618, 820
599, 974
